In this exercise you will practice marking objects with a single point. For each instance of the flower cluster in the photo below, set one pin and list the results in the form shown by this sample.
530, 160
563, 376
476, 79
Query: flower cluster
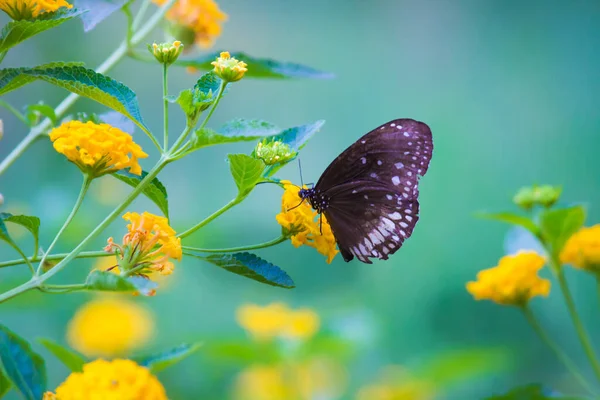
27, 9
166, 53
394, 384
302, 223
109, 327
97, 149
148, 246
229, 68
545, 196
278, 320
514, 281
582, 250
116, 379
274, 152
202, 17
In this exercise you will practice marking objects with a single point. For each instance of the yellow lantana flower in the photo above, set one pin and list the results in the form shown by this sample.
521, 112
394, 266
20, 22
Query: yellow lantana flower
514, 281
278, 320
148, 247
228, 68
396, 384
109, 327
27, 9
303, 223
116, 379
582, 250
203, 17
97, 149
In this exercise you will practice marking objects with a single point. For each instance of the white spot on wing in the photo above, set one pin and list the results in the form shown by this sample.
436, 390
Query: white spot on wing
399, 165
363, 160
396, 215
406, 134
396, 180
389, 196
409, 218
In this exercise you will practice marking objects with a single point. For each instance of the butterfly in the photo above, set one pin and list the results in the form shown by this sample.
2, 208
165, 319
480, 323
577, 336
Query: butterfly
369, 193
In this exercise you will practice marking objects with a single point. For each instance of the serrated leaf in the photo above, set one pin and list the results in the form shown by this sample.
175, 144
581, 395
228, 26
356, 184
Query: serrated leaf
248, 127
155, 190
163, 360
511, 218
118, 120
558, 225
260, 67
297, 136
246, 172
99, 10
15, 32
207, 87
25, 368
82, 81
70, 358
207, 137
250, 266
108, 282
531, 392
32, 224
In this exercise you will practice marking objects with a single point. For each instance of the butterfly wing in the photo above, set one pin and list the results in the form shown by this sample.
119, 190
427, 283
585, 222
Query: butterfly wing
373, 189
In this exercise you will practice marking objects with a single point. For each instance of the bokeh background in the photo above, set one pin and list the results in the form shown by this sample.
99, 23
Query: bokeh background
510, 90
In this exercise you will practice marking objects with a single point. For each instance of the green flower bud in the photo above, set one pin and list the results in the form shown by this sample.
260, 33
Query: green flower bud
166, 53
525, 198
274, 152
547, 195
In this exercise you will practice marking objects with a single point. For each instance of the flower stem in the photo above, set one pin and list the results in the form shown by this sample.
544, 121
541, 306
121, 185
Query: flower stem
165, 106
140, 15
36, 282
567, 362
13, 110
208, 219
87, 180
215, 104
581, 332
68, 101
270, 243
58, 289
55, 257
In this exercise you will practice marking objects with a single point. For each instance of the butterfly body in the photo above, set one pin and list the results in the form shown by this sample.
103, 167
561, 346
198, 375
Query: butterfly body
369, 193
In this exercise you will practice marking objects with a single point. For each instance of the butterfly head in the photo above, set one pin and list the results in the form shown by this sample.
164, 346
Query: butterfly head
316, 199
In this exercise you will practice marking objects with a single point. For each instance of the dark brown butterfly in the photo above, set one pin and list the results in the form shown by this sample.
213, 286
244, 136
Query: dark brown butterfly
369, 193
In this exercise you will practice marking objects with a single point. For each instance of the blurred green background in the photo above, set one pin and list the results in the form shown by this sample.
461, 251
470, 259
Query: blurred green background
510, 90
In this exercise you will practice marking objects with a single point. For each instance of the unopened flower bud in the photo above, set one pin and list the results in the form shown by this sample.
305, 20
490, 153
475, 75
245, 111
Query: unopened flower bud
274, 152
166, 53
228, 68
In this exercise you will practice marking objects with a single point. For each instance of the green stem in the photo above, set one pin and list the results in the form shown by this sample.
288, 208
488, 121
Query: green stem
24, 257
2, 55
567, 362
68, 101
270, 243
581, 332
165, 107
37, 281
208, 219
59, 289
215, 104
55, 257
16, 112
87, 180
129, 16
140, 15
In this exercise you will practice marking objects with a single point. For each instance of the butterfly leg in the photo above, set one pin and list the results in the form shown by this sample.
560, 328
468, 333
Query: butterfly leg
290, 209
321, 223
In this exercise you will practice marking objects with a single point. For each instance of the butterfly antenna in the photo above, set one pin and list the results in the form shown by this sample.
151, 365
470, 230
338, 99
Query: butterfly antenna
300, 168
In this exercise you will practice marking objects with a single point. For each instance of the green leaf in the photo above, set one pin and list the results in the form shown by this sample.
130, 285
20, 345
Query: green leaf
32, 224
5, 384
514, 219
558, 225
77, 79
163, 360
70, 358
207, 137
15, 32
531, 392
206, 88
155, 191
260, 67
99, 10
108, 282
242, 352
297, 136
33, 112
25, 368
246, 171
248, 127
185, 99
250, 266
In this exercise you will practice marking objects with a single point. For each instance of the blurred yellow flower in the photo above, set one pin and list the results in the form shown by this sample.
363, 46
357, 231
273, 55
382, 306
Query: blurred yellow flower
27, 9
395, 383
97, 149
303, 223
203, 17
109, 327
111, 380
228, 68
278, 320
311, 379
148, 247
514, 281
582, 250
49, 396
